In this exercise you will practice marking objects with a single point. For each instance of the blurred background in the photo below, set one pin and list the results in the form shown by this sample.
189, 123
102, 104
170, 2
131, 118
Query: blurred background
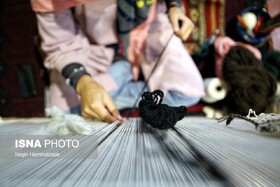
23, 79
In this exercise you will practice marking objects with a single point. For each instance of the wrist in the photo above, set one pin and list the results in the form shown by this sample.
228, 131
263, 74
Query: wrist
174, 3
176, 9
83, 82
72, 73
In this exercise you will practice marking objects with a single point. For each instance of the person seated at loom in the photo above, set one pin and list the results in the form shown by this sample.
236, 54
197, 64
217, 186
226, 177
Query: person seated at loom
81, 38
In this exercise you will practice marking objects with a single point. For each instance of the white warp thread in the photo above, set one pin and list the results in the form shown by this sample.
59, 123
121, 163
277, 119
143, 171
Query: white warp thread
65, 124
270, 122
262, 117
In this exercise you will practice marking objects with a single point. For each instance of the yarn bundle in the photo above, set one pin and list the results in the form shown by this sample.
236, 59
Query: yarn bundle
159, 115
250, 85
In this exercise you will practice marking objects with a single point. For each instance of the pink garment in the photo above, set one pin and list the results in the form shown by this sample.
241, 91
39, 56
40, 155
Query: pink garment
176, 70
222, 47
137, 42
66, 41
274, 10
55, 5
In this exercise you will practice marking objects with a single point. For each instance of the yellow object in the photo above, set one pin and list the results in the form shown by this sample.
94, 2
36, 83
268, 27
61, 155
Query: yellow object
140, 3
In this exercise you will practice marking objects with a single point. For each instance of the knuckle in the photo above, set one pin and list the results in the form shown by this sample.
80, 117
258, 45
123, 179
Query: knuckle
84, 114
191, 24
86, 110
103, 116
95, 106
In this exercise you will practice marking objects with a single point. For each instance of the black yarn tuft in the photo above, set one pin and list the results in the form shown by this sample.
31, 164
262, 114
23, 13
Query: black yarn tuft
159, 115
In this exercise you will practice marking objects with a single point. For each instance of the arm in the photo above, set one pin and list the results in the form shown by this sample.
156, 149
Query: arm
67, 49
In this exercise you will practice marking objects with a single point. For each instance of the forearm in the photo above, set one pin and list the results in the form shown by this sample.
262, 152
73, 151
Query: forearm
61, 41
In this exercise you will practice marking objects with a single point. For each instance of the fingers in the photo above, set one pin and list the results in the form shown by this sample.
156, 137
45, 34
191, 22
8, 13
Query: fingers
173, 14
98, 111
135, 72
104, 114
96, 103
112, 109
175, 23
186, 28
86, 113
104, 110
109, 118
176, 15
135, 60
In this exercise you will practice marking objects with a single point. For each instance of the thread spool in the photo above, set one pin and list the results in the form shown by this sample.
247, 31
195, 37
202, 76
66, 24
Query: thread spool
250, 20
250, 16
278, 89
211, 112
215, 90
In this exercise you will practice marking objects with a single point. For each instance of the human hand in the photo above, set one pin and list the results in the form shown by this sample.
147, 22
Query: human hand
136, 48
134, 57
176, 15
96, 103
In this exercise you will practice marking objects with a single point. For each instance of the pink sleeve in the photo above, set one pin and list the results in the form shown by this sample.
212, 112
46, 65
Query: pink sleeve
222, 46
62, 41
274, 10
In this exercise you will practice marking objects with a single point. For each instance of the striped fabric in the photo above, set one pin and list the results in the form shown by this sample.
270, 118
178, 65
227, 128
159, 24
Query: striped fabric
207, 15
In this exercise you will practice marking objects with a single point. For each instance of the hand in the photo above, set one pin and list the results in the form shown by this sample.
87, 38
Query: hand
134, 57
96, 103
137, 43
175, 15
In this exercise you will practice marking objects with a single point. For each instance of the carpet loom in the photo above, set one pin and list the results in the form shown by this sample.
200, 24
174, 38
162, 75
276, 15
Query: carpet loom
134, 154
